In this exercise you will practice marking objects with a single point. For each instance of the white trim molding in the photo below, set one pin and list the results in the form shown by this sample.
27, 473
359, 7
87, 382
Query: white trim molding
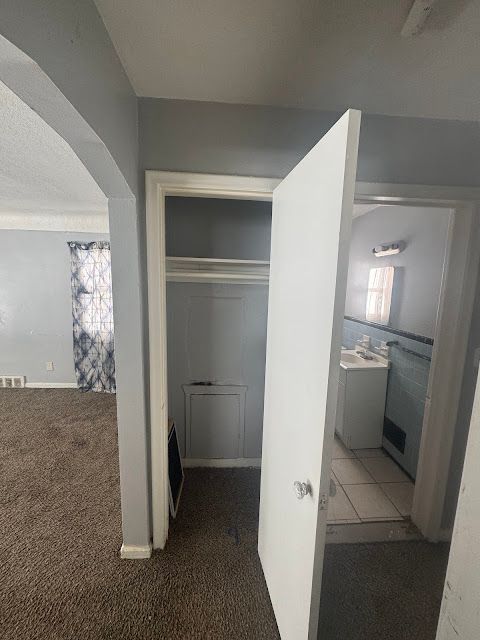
415, 194
175, 183
157, 344
51, 385
449, 355
72, 222
135, 552
458, 290
216, 270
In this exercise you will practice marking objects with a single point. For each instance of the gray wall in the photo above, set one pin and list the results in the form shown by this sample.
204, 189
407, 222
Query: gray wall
217, 332
229, 348
418, 269
215, 228
266, 141
36, 304
80, 89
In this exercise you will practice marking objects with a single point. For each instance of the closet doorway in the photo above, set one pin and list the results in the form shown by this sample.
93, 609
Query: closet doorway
217, 267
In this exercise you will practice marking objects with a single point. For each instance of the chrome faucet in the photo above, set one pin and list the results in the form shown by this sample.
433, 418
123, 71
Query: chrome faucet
384, 348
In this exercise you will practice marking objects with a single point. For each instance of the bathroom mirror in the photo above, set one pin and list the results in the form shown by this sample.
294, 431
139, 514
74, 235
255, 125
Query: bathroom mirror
379, 295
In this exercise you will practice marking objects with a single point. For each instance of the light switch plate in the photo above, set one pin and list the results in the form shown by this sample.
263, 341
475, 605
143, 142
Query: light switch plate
50, 366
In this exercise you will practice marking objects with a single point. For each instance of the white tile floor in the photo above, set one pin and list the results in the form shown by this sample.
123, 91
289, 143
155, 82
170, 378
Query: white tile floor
367, 486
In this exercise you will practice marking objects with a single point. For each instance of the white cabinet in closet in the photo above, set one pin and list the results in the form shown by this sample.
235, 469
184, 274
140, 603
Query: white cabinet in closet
214, 421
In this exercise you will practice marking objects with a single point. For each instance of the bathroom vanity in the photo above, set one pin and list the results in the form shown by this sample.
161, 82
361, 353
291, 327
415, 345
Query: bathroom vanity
362, 390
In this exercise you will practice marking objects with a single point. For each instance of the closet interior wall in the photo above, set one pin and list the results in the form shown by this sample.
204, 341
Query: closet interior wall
217, 299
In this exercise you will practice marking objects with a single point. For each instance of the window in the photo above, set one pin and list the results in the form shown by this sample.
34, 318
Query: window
93, 339
379, 294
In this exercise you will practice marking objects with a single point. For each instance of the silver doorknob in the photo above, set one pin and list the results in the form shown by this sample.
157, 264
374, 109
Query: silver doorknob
301, 489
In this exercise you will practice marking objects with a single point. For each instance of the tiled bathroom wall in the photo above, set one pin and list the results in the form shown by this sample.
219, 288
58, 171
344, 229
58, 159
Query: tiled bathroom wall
406, 391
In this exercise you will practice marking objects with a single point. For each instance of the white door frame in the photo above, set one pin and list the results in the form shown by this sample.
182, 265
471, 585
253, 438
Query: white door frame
449, 355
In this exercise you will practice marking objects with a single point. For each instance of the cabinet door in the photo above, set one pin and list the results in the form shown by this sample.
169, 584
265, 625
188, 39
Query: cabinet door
215, 421
214, 426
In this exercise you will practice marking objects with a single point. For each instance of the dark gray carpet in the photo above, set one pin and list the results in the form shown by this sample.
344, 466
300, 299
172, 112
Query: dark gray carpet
61, 575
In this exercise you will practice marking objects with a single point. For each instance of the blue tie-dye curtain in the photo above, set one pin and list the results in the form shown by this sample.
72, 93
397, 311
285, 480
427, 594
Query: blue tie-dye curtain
93, 341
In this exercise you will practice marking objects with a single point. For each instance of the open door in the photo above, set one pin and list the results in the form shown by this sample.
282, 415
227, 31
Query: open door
311, 221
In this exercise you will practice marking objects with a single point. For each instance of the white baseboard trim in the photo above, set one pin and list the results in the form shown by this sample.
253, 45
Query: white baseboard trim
51, 385
222, 462
135, 552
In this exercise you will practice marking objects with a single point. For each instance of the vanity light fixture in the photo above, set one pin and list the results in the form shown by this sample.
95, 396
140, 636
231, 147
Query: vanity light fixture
388, 249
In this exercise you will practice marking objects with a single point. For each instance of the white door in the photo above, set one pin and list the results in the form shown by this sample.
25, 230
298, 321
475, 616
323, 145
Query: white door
312, 210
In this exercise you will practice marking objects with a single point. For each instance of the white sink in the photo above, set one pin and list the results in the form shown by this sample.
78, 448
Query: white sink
362, 389
351, 360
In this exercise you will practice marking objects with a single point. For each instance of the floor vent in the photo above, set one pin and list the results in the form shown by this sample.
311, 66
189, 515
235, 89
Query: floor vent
12, 382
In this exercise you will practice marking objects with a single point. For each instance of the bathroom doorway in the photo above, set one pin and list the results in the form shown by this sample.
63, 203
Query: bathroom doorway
396, 268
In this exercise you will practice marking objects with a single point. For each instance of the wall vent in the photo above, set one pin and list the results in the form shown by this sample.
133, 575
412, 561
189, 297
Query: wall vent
12, 382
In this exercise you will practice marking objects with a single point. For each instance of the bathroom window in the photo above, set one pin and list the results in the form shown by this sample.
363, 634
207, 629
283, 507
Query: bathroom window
379, 294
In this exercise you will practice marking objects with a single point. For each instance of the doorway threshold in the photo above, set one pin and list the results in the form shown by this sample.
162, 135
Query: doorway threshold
357, 533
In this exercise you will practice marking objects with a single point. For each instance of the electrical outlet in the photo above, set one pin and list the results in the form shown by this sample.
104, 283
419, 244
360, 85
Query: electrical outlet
50, 366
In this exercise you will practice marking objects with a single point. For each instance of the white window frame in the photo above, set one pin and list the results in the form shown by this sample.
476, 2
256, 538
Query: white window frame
451, 335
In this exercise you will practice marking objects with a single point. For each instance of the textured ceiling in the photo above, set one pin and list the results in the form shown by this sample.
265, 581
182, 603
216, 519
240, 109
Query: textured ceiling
39, 172
305, 53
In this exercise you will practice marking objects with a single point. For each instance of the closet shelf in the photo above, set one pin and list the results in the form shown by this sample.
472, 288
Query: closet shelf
219, 270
